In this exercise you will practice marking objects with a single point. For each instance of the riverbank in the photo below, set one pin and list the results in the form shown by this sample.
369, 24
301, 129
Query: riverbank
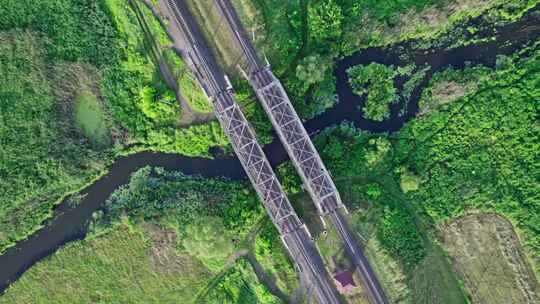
70, 223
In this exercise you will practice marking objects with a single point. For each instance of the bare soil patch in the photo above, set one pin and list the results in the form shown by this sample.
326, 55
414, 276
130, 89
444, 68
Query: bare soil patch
488, 257
445, 92
448, 91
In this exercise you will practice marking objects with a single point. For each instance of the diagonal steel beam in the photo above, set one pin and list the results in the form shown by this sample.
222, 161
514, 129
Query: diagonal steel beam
293, 135
294, 233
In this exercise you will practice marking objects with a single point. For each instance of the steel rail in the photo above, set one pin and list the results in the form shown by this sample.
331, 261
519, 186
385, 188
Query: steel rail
301, 150
294, 233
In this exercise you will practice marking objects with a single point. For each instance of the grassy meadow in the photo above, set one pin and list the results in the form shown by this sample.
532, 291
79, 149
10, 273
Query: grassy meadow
116, 267
165, 238
130, 265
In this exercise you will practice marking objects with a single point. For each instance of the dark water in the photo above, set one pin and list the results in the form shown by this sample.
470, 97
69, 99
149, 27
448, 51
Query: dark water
71, 223
508, 39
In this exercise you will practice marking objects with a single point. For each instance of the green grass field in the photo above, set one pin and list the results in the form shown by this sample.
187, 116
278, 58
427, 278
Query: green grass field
183, 243
489, 259
89, 116
126, 265
111, 268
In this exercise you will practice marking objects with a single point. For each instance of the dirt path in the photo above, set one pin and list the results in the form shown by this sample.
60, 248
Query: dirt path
264, 278
247, 253
189, 115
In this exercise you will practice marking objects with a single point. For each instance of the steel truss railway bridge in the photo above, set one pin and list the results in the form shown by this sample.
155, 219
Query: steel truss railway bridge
301, 150
298, 145
294, 233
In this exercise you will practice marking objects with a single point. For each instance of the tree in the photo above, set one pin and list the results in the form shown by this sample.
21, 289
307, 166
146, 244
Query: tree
161, 109
409, 181
312, 70
377, 150
373, 191
377, 81
325, 21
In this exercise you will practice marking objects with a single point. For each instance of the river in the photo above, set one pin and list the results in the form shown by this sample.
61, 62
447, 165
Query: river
70, 223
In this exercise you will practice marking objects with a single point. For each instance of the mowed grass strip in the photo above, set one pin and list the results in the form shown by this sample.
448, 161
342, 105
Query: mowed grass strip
433, 280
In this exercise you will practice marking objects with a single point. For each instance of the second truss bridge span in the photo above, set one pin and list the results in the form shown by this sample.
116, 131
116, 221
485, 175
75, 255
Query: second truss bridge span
285, 120
301, 150
294, 233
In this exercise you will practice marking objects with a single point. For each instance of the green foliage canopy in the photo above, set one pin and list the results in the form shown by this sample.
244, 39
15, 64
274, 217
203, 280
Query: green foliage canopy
206, 239
482, 150
377, 81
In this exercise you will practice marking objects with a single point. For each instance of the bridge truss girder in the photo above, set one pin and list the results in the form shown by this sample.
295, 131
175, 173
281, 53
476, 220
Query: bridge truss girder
296, 140
255, 163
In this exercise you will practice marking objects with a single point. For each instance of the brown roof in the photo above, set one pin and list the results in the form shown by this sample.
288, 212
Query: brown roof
345, 278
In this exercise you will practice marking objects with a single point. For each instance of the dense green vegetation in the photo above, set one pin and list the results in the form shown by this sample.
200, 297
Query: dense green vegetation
474, 149
368, 177
71, 27
481, 151
212, 218
142, 102
80, 84
303, 38
371, 179
109, 36
154, 192
42, 157
178, 235
378, 84
387, 11
238, 285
